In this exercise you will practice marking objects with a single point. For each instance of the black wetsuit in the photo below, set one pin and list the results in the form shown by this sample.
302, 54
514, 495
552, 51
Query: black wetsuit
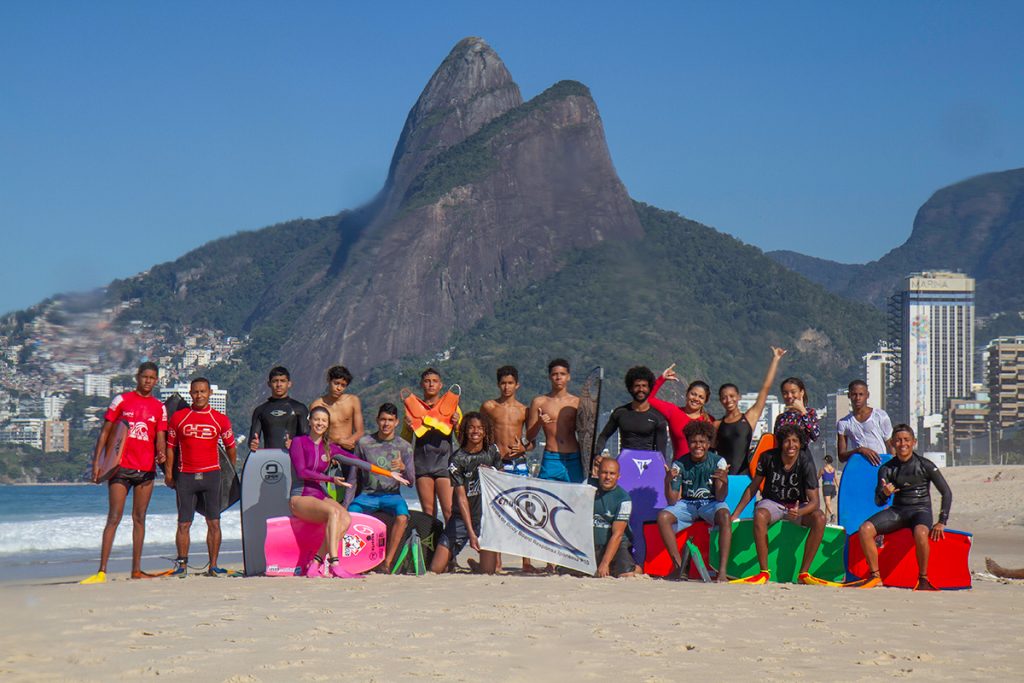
733, 444
638, 431
912, 502
278, 417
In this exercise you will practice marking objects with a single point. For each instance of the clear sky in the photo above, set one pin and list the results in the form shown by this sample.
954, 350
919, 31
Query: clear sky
132, 132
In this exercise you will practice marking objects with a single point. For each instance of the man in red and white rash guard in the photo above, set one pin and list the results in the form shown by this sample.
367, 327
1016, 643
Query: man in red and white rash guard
197, 430
143, 449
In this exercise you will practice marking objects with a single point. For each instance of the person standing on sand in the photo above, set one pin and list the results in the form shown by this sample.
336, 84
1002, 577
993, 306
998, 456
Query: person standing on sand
432, 452
797, 414
197, 429
345, 409
145, 447
735, 431
280, 418
678, 417
696, 486
865, 430
640, 426
790, 493
476, 450
909, 476
612, 538
828, 476
555, 413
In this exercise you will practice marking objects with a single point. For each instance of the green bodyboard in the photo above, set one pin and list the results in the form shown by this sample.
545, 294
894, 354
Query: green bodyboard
785, 551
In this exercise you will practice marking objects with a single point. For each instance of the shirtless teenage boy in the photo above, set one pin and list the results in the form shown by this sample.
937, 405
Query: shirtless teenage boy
555, 412
508, 416
345, 410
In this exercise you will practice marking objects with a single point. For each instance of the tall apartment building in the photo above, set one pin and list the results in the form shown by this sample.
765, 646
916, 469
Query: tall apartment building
878, 375
56, 436
1005, 379
936, 342
218, 396
97, 385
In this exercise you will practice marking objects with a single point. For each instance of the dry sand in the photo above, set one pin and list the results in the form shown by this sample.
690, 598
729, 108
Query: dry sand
521, 628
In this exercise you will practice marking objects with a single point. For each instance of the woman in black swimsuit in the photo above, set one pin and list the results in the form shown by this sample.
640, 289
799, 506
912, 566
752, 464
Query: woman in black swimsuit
736, 428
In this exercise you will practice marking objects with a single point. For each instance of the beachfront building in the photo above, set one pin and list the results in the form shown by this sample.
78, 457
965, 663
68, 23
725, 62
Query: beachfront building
967, 430
218, 396
24, 431
1005, 379
837, 407
97, 385
936, 345
773, 407
878, 374
56, 436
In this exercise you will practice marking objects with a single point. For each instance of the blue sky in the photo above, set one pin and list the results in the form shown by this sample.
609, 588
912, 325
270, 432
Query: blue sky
133, 132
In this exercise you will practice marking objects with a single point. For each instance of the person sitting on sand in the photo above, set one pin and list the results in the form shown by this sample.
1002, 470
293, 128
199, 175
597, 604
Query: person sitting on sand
380, 493
791, 493
909, 476
1003, 572
696, 486
476, 449
311, 456
612, 538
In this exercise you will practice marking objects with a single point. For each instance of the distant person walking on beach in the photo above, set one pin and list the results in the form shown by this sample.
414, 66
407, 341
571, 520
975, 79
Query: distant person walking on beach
735, 430
864, 430
145, 446
827, 475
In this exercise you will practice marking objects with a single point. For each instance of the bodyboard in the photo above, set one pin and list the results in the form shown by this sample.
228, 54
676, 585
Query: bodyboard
642, 475
657, 561
738, 483
230, 487
856, 498
786, 542
764, 444
948, 560
587, 414
266, 485
291, 543
109, 455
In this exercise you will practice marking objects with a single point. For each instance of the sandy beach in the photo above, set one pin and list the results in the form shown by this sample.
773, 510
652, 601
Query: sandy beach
519, 628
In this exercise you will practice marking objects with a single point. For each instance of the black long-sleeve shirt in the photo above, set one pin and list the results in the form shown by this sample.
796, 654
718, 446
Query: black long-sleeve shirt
639, 431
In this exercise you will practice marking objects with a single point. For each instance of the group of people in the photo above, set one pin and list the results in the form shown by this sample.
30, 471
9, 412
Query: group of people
442, 457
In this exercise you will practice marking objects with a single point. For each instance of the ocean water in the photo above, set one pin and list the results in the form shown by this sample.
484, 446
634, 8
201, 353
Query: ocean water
53, 531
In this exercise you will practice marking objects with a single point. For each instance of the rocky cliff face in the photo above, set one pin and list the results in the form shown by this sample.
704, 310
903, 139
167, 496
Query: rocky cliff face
976, 226
485, 194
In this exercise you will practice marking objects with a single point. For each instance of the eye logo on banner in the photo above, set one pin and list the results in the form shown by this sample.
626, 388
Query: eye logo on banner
533, 511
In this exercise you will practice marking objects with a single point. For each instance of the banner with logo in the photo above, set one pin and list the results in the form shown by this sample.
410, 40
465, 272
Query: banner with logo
548, 521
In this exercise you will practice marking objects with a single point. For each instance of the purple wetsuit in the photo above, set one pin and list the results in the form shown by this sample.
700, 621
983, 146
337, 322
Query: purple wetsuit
310, 462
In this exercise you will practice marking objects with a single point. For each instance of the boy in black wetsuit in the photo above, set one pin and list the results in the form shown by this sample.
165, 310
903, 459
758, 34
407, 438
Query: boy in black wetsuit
909, 476
280, 417
640, 426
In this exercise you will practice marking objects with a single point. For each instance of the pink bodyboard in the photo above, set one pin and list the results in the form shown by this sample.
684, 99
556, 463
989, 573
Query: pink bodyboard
291, 543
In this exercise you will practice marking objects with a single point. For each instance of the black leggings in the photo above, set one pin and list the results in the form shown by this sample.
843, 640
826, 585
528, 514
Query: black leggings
190, 486
895, 518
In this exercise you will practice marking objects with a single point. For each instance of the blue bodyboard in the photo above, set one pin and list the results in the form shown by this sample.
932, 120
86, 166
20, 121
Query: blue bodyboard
857, 492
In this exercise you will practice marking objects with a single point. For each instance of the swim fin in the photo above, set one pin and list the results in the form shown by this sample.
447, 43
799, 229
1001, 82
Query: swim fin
98, 577
698, 561
415, 411
440, 416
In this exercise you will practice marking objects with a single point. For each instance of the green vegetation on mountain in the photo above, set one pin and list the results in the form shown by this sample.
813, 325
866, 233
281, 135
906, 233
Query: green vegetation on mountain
684, 294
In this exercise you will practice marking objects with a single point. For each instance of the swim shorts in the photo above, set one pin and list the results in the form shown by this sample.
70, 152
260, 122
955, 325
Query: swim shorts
895, 518
391, 503
190, 486
828, 490
516, 466
456, 534
562, 467
131, 478
687, 512
776, 510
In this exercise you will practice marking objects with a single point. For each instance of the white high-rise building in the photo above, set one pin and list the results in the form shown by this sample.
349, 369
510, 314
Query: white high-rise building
97, 385
877, 373
218, 397
937, 349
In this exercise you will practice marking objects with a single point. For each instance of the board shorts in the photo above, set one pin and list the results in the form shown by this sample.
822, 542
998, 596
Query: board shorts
456, 534
516, 466
190, 486
895, 518
622, 562
776, 510
131, 478
687, 512
828, 490
391, 503
562, 467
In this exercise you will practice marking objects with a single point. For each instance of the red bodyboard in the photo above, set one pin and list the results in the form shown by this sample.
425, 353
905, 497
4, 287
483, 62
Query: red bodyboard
657, 561
948, 560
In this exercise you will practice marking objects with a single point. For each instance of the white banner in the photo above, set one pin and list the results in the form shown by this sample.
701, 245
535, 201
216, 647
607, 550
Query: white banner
548, 521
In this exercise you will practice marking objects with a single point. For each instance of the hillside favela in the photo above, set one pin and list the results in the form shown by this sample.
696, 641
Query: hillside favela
548, 376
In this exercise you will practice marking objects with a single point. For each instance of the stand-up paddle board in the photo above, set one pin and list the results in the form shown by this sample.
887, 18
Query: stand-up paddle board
657, 561
856, 498
786, 543
291, 543
948, 560
586, 418
266, 484
108, 457
642, 475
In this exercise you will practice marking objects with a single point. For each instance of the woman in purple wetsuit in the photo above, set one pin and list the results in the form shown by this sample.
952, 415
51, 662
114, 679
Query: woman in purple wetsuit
311, 456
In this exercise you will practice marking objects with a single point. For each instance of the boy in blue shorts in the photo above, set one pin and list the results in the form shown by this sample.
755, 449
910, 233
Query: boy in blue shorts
388, 450
696, 486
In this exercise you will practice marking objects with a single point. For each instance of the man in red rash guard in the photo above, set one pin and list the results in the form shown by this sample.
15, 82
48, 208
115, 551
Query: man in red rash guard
144, 448
197, 430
